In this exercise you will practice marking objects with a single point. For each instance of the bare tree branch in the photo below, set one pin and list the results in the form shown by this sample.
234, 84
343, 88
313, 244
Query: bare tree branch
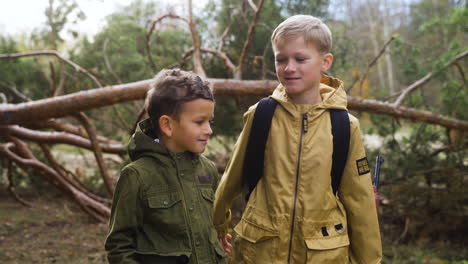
97, 151
462, 73
217, 53
197, 59
369, 66
107, 62
77, 67
26, 159
12, 88
426, 78
73, 180
251, 3
223, 36
250, 33
68, 128
11, 186
151, 30
58, 137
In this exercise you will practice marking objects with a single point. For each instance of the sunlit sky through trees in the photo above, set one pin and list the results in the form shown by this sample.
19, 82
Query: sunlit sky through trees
22, 16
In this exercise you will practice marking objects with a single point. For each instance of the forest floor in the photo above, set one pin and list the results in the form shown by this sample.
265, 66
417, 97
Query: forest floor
55, 230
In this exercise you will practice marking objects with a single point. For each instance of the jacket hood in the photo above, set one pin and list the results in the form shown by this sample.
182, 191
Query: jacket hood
331, 90
144, 142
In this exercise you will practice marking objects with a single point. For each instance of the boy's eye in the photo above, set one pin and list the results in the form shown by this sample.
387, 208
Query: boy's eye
280, 60
211, 121
300, 59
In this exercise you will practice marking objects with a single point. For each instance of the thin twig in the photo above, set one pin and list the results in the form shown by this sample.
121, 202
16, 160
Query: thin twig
220, 54
460, 70
223, 36
107, 62
11, 187
250, 34
151, 30
15, 91
369, 66
405, 231
77, 67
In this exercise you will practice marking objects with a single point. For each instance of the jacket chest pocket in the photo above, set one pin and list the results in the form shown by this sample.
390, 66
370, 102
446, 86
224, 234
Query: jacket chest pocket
166, 212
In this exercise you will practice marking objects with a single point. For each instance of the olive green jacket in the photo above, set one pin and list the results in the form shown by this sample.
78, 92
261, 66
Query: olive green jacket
162, 206
292, 215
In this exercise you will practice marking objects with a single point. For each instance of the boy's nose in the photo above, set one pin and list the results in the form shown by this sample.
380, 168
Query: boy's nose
290, 67
208, 130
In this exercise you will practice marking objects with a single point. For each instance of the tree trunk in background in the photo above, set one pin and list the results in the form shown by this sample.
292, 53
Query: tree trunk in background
388, 54
375, 41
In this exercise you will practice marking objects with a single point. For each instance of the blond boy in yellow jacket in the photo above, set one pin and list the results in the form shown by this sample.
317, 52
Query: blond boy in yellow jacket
293, 216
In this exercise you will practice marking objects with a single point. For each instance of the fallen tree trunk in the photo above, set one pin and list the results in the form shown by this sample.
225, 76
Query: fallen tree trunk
66, 105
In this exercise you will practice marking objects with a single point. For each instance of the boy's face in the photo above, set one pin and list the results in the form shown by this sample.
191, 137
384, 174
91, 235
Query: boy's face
190, 132
299, 66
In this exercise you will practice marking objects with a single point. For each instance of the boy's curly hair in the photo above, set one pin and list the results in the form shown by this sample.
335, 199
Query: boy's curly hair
170, 89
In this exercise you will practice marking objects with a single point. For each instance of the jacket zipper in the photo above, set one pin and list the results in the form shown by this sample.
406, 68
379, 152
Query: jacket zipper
304, 129
187, 217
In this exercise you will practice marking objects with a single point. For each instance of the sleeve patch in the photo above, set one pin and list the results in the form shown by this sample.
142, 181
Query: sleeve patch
362, 166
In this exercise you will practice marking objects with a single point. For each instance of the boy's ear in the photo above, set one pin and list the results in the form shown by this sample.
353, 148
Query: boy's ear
165, 125
327, 62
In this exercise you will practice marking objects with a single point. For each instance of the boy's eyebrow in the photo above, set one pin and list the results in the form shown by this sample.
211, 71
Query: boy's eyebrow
297, 53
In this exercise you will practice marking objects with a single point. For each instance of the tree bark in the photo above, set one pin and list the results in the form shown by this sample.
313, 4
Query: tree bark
58, 138
70, 104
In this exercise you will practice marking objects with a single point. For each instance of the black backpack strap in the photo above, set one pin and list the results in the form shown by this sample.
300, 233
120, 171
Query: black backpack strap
255, 152
341, 137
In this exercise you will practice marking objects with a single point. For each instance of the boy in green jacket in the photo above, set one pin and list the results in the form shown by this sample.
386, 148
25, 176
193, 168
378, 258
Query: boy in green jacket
293, 215
163, 202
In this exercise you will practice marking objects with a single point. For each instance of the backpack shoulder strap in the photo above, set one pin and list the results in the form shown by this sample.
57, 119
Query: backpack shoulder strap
255, 152
341, 137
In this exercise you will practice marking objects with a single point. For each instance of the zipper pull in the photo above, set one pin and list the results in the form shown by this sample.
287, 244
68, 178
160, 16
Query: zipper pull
305, 124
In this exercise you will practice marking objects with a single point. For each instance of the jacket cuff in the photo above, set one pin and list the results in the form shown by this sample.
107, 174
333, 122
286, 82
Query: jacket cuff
222, 229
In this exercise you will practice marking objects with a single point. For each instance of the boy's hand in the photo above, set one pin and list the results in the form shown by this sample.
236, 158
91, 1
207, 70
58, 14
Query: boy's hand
225, 243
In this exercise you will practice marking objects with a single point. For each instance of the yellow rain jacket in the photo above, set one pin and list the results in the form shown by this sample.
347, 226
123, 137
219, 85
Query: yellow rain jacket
292, 215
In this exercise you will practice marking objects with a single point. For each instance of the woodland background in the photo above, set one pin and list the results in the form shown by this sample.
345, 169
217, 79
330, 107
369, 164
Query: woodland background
68, 108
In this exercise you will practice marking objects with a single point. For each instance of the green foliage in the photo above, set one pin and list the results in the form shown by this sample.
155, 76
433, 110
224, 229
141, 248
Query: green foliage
20, 77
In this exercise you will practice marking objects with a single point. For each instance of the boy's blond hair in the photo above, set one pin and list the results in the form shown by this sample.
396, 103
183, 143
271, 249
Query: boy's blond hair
312, 29
170, 89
